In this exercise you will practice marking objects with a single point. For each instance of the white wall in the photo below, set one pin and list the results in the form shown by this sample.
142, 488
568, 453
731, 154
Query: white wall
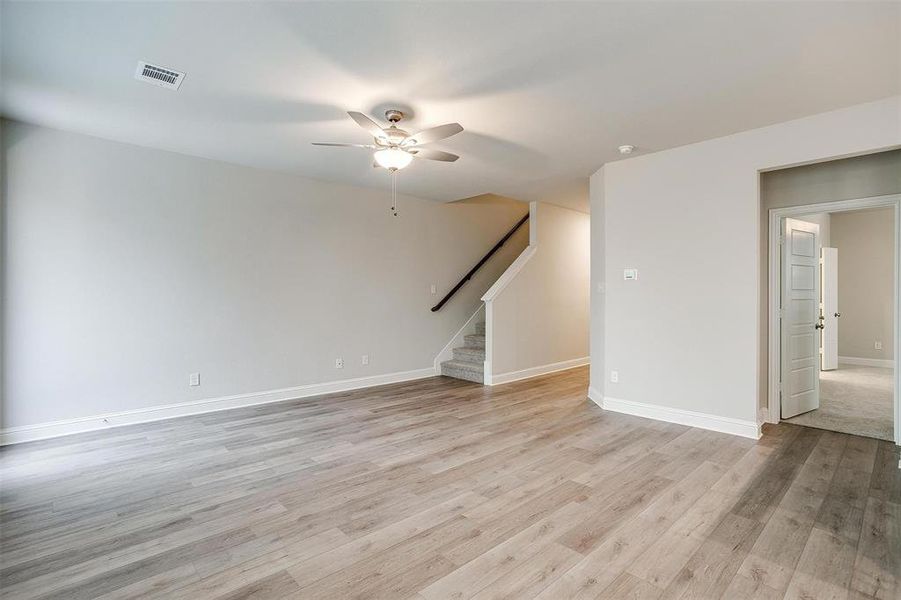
685, 336
866, 274
128, 268
538, 319
598, 285
874, 174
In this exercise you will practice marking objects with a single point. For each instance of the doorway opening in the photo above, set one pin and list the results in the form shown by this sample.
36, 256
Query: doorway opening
833, 325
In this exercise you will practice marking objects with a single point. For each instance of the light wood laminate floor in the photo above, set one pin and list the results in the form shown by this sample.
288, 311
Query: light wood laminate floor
441, 488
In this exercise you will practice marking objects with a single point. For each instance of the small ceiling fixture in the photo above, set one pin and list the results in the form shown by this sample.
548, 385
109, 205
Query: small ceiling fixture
626, 149
395, 148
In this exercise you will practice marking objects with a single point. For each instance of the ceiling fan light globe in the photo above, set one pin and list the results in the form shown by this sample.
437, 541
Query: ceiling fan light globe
393, 158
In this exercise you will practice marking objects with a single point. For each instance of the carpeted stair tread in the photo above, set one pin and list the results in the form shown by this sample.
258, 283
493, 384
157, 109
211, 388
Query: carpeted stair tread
449, 370
476, 340
465, 365
468, 362
473, 353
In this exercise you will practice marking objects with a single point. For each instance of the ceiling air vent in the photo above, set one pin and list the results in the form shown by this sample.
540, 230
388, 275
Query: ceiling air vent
158, 75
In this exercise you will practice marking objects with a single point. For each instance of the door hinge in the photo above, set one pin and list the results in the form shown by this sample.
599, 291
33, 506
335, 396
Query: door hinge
781, 239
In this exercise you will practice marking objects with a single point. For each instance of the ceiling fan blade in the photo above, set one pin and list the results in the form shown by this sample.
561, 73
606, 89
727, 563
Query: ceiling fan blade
368, 124
433, 154
434, 134
344, 145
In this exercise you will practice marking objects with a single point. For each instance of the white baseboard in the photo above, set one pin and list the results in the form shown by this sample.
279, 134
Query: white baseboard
535, 371
867, 362
40, 431
748, 429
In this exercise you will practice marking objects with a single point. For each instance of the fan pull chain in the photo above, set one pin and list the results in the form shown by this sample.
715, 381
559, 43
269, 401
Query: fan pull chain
394, 192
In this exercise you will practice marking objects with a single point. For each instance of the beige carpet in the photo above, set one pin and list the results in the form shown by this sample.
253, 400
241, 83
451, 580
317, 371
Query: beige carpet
854, 400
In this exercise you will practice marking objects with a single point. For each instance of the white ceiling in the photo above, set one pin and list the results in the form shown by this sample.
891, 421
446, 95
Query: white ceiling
546, 91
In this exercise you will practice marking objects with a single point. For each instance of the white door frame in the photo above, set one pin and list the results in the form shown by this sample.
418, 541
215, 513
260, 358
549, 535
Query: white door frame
775, 290
829, 296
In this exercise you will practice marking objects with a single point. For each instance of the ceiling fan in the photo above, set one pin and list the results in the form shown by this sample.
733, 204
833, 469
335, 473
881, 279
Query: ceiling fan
395, 148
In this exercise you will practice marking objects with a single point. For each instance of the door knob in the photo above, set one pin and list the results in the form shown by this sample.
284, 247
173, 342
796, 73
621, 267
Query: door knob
838, 314
820, 326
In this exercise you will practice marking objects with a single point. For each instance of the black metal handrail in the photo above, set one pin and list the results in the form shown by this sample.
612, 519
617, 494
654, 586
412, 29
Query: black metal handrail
485, 258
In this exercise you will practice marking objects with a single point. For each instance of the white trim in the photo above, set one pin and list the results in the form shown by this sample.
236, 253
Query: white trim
40, 431
748, 429
867, 362
596, 396
447, 353
536, 371
489, 343
774, 408
504, 280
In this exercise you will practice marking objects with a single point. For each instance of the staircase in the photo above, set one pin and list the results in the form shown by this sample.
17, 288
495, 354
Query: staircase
469, 360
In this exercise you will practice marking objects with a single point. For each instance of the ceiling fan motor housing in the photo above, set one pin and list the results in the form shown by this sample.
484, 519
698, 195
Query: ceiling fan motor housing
392, 137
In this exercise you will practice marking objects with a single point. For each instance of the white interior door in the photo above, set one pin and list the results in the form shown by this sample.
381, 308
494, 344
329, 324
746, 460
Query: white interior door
800, 317
830, 309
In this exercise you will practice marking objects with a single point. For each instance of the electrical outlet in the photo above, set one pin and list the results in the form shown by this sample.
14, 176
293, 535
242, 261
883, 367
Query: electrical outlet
365, 359
878, 345
434, 289
614, 376
194, 379
339, 363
